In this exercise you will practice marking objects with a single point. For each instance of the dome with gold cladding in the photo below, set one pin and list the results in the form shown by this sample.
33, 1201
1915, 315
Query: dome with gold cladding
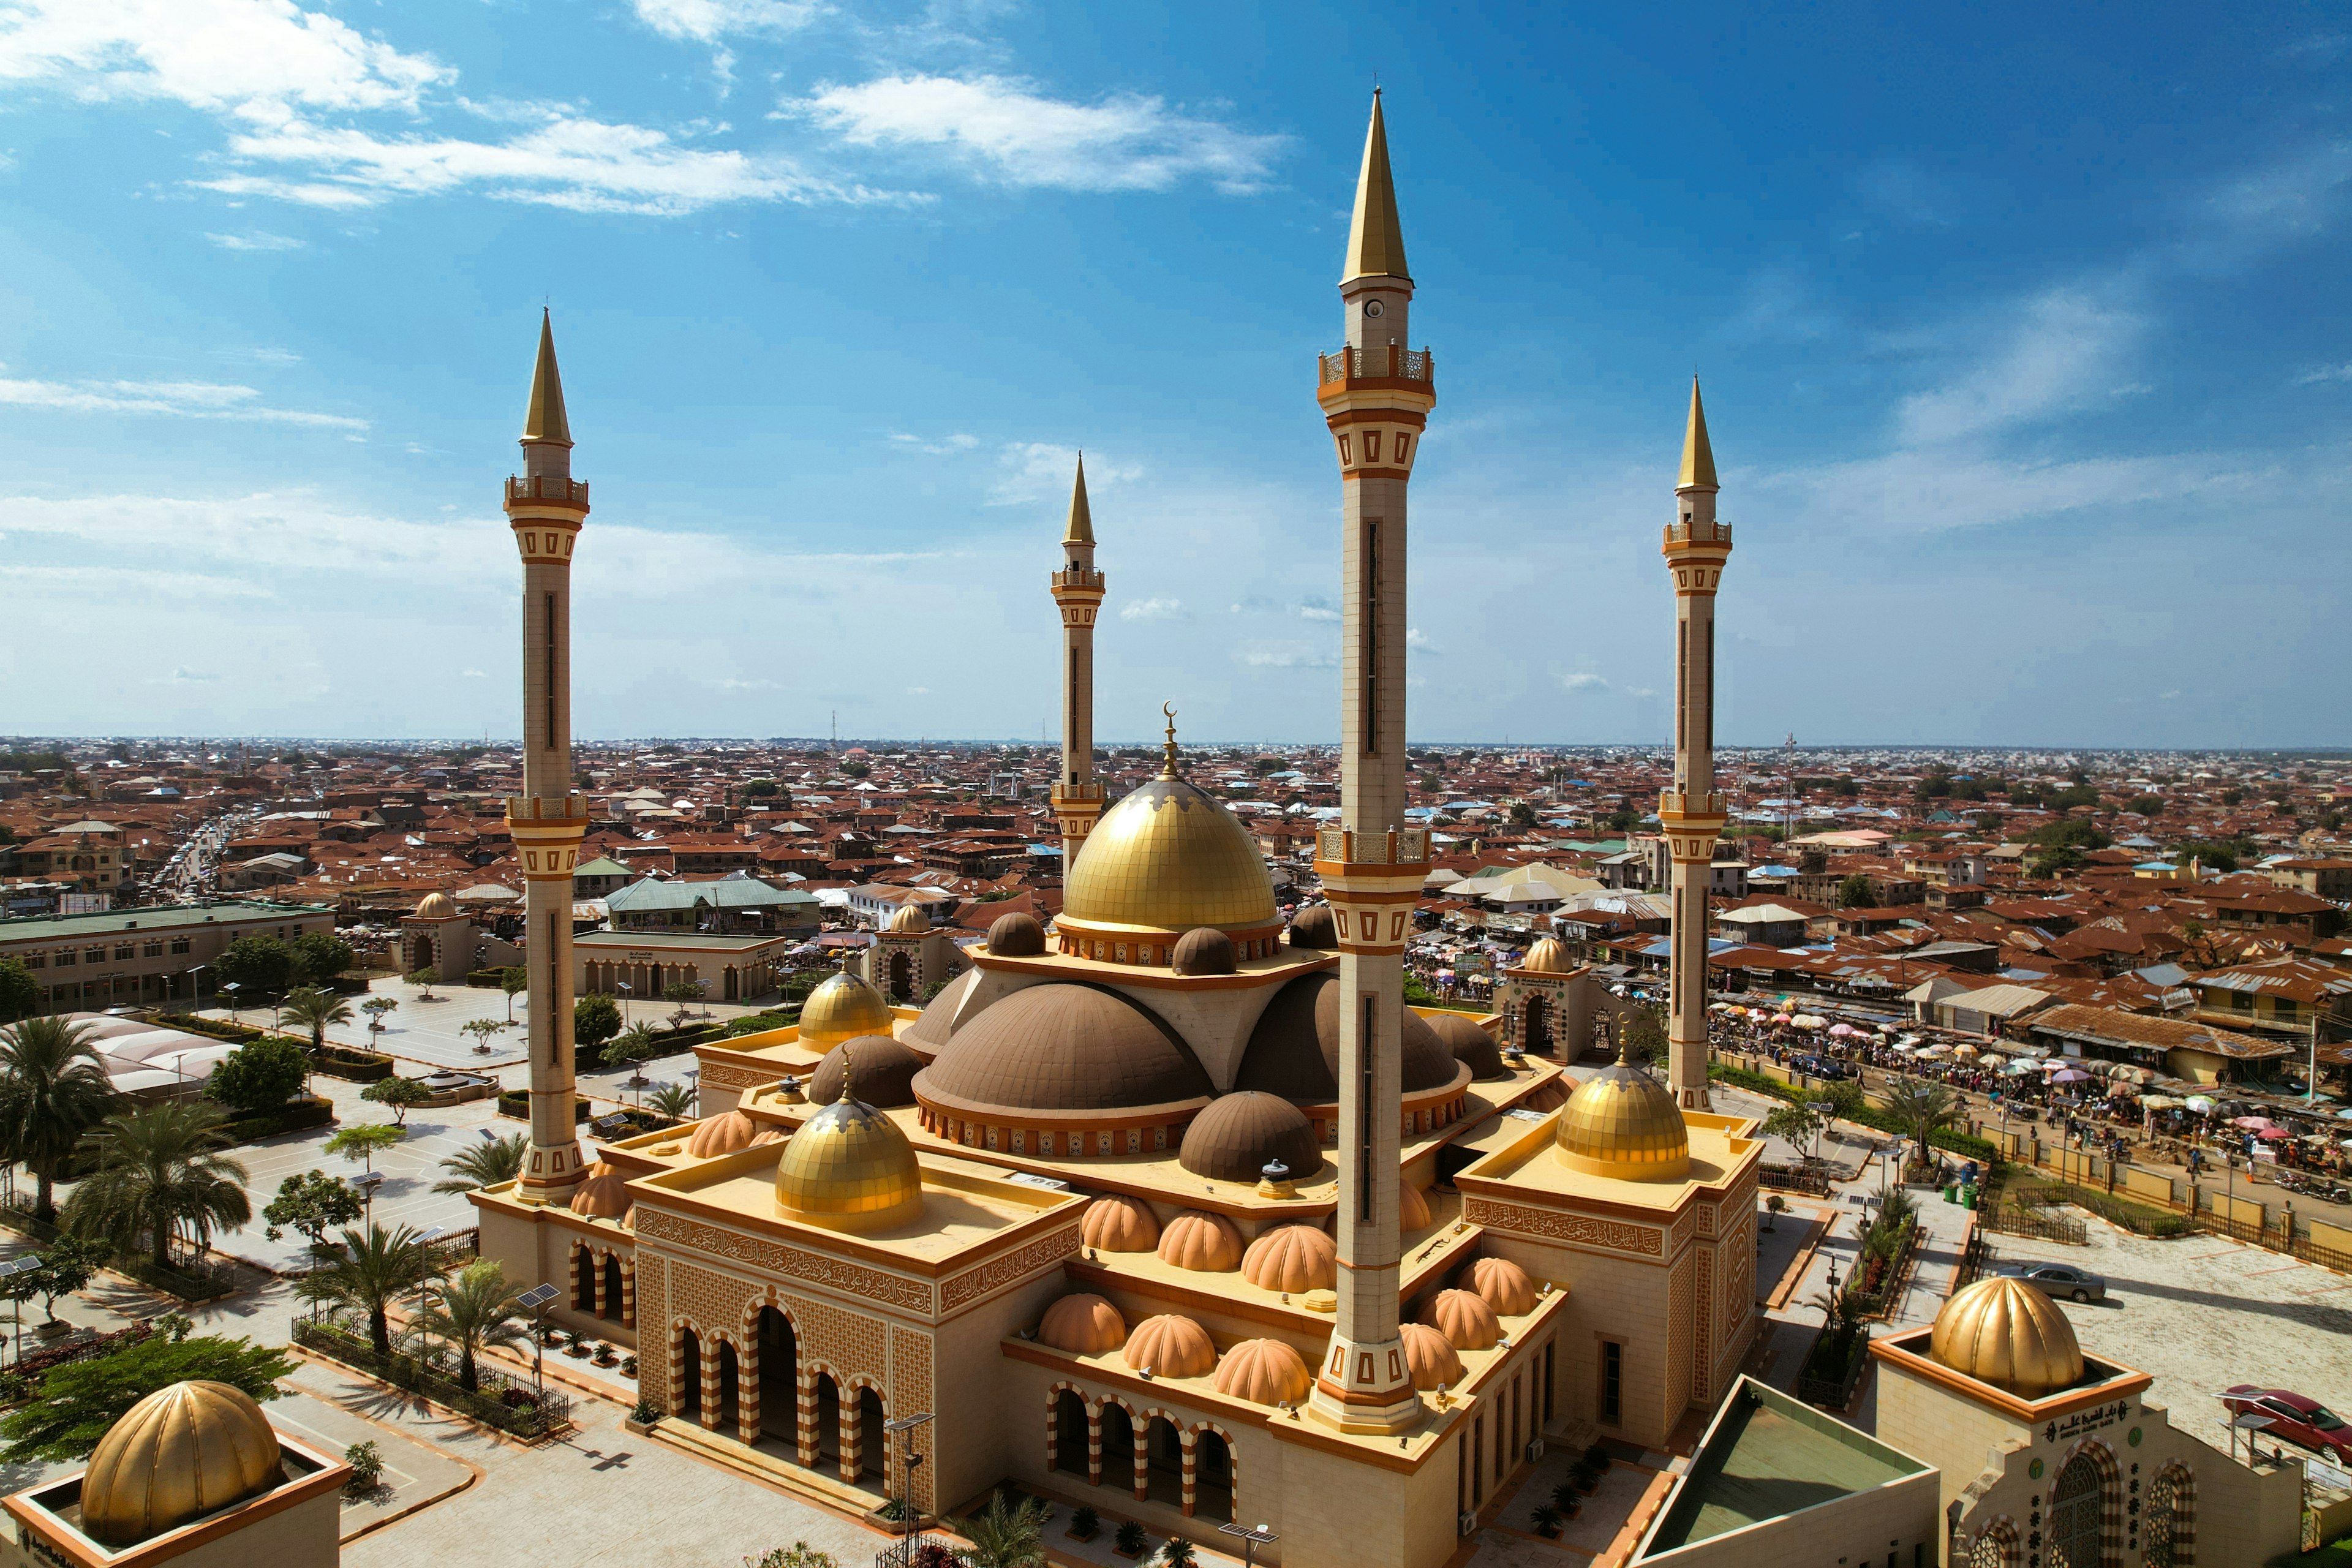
842, 1008
2005, 1332
1623, 1122
181, 1453
848, 1165
1168, 858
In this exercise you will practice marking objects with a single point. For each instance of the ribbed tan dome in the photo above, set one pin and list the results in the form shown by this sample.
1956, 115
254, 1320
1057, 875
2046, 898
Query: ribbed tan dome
908, 920
604, 1195
1472, 1046
1170, 1346
1015, 935
1294, 1258
1202, 1242
1466, 1321
179, 1454
1430, 1357
721, 1134
842, 1008
1083, 1325
848, 1164
1502, 1285
1240, 1134
1548, 957
880, 1070
1263, 1371
1117, 1223
1623, 1122
436, 906
2003, 1332
1413, 1210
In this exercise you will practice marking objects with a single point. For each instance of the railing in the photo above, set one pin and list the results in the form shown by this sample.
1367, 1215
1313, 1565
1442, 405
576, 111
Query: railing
201, 1280
534, 808
1699, 533
1789, 1179
1093, 580
921, 1551
506, 1402
546, 487
1398, 846
1825, 1383
2015, 1220
1382, 362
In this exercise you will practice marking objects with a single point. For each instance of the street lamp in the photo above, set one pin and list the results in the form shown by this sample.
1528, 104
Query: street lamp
1820, 1110
535, 1301
195, 985
367, 1184
905, 1427
11, 1269
1251, 1538
229, 989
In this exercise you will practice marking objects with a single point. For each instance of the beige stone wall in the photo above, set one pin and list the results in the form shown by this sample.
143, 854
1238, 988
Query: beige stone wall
303, 1536
1928, 1422
1610, 1295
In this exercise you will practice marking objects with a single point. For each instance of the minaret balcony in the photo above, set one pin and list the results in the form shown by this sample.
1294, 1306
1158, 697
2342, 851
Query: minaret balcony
1397, 846
1697, 534
1378, 364
530, 487
1077, 582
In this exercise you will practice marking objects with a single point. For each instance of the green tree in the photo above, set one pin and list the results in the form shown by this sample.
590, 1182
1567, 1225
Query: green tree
312, 1202
632, 1046
77, 1402
402, 1094
674, 1099
312, 1009
320, 956
485, 1164
66, 1264
20, 994
1922, 1110
369, 1273
799, 1554
255, 965
514, 980
1523, 816
160, 1168
423, 980
375, 1007
364, 1143
596, 1018
483, 1030
475, 1311
1854, 893
53, 1090
1009, 1533
1794, 1123
2146, 804
260, 1076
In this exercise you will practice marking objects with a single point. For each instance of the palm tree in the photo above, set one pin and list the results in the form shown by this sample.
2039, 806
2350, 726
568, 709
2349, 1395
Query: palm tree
53, 1090
160, 1167
476, 1311
1923, 1110
1009, 1533
674, 1100
314, 1008
370, 1272
485, 1164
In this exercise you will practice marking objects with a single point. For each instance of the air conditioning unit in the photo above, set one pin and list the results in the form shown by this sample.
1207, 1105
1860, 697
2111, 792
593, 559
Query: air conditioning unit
1535, 1449
1467, 1523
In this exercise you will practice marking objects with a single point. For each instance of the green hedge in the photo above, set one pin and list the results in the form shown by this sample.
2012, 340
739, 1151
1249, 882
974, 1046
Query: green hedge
353, 1067
516, 1102
758, 1023
295, 1116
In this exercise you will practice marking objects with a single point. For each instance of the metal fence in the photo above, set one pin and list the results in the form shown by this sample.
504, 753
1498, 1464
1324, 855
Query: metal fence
1832, 1387
922, 1552
502, 1400
2015, 1220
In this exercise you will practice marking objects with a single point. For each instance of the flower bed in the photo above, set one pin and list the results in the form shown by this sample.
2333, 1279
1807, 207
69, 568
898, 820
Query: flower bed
503, 1402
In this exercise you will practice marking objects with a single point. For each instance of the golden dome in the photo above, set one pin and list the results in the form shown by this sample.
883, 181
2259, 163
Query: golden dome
2003, 1332
1294, 1258
179, 1454
1083, 1325
842, 1008
1548, 957
1201, 1242
848, 1163
1170, 1346
1263, 1371
910, 920
1169, 857
1117, 1223
1502, 1285
1624, 1123
436, 906
1429, 1356
1466, 1321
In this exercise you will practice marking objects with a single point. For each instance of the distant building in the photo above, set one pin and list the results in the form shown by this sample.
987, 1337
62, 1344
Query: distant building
126, 957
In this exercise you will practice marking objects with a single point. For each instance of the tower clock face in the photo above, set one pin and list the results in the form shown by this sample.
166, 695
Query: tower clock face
1373, 308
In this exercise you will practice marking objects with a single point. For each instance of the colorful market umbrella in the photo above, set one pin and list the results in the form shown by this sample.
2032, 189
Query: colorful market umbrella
2271, 1134
2070, 1074
2199, 1103
2252, 1123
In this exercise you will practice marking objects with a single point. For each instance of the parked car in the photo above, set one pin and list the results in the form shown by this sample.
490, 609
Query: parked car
2060, 1279
1824, 1068
2306, 1422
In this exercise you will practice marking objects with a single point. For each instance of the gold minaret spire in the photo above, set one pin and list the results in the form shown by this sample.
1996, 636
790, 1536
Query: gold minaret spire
545, 420
1698, 458
1077, 591
1375, 241
1081, 530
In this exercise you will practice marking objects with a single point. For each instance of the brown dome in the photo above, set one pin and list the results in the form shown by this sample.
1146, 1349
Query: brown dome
1170, 1346
1063, 1047
880, 1070
1466, 1321
1430, 1357
1472, 1046
1202, 1242
1502, 1285
721, 1134
1413, 1210
929, 1032
1016, 935
604, 1195
1203, 950
1313, 927
1294, 1052
1083, 1325
1263, 1371
1117, 1223
1240, 1133
1292, 1257
1549, 1095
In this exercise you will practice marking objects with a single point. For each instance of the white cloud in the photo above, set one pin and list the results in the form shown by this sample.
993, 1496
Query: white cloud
2325, 372
1288, 656
919, 691
1316, 610
187, 399
2060, 355
1583, 681
705, 21
1153, 609
1032, 470
1003, 129
184, 676
945, 445
1416, 641
473, 675
255, 241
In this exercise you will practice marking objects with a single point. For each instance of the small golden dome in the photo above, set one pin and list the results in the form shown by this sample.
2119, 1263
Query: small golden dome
1117, 1223
2005, 1332
1202, 1242
721, 1134
1502, 1285
1292, 1257
842, 1008
1168, 858
604, 1195
1548, 957
908, 920
1170, 1346
848, 1163
1083, 1325
1430, 1357
1624, 1123
1263, 1371
179, 1454
1466, 1321
436, 906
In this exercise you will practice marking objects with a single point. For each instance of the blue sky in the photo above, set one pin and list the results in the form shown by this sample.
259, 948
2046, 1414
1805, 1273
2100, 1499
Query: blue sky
2024, 330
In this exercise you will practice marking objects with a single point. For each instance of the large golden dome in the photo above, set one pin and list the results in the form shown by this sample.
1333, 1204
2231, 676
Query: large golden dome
179, 1454
842, 1008
1624, 1123
848, 1164
1166, 858
2003, 1332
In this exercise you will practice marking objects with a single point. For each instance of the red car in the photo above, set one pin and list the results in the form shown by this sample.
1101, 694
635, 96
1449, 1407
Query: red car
2304, 1421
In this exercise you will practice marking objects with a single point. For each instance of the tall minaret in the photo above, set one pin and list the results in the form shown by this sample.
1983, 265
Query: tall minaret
1376, 395
1079, 590
1691, 813
546, 507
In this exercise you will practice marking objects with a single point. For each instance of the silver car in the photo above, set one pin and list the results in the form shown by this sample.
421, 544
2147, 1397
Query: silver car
2059, 1279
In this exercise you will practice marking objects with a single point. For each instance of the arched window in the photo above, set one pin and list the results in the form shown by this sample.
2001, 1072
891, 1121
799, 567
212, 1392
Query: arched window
2074, 1516
2168, 1527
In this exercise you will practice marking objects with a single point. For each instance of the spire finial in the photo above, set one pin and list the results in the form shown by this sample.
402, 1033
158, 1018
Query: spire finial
543, 422
1168, 763
1375, 241
848, 1076
1698, 458
1081, 530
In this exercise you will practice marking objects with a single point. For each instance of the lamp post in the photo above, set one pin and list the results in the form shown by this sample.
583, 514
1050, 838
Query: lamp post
903, 1426
1251, 1537
11, 1269
367, 1184
423, 1240
229, 989
196, 986
1820, 1110
535, 1301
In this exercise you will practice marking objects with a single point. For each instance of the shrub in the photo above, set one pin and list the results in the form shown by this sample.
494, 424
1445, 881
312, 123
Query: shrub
1084, 1522
516, 1102
1547, 1519
260, 1076
1130, 1538
366, 1461
647, 1413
